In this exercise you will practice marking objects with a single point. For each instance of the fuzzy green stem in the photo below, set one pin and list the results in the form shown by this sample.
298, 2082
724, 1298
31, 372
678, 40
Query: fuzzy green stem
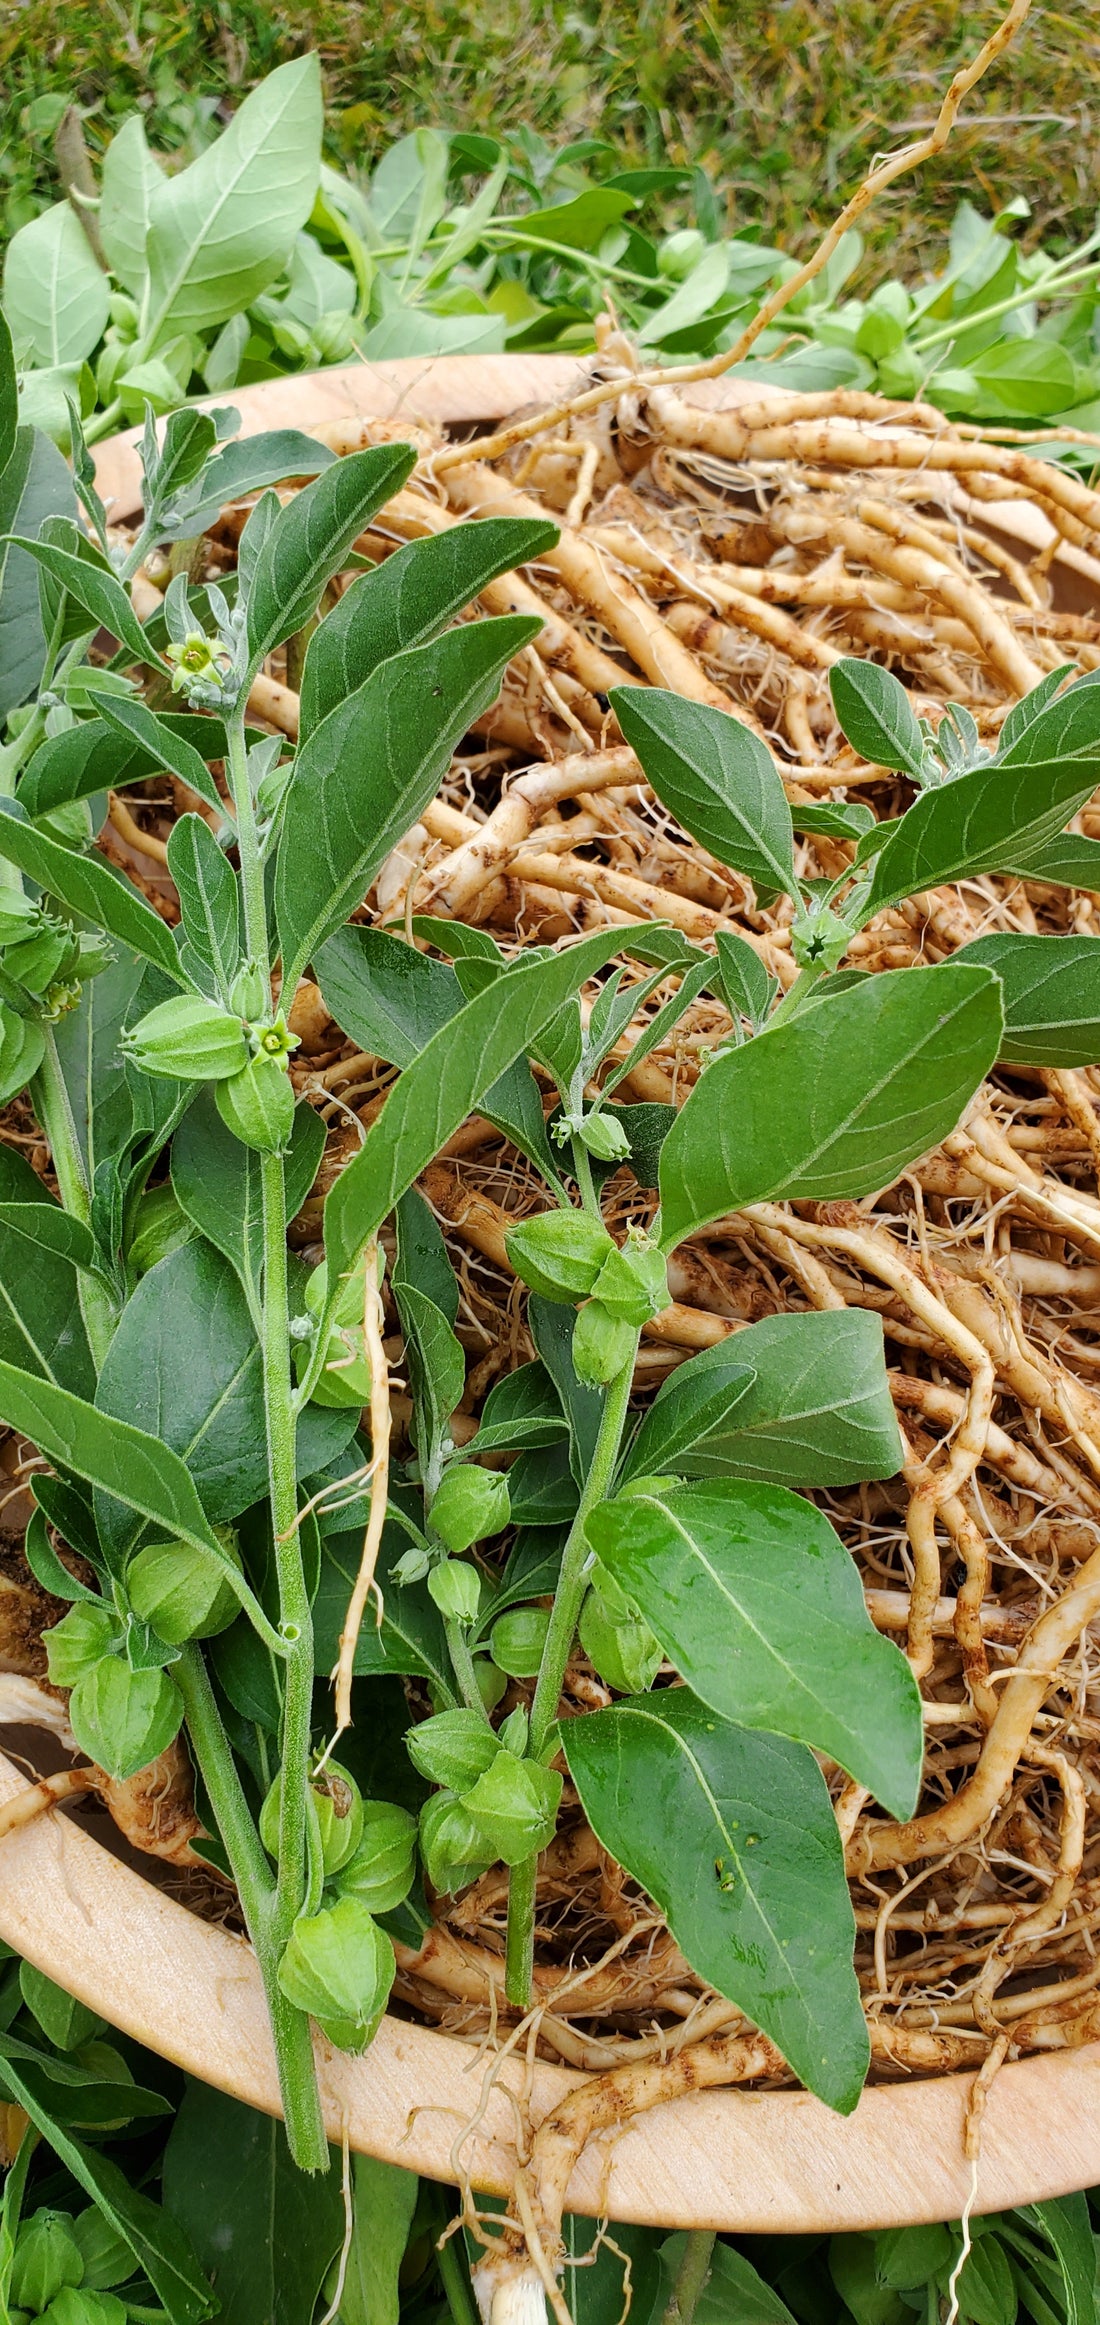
806, 979
462, 1661
568, 1599
691, 2277
257, 1891
50, 1100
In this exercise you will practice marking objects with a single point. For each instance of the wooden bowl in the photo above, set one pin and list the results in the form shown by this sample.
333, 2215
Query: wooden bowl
732, 2160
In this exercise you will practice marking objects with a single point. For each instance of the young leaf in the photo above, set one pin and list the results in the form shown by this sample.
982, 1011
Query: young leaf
157, 2240
997, 815
875, 713
448, 1079
747, 986
56, 298
221, 230
818, 1412
733, 1836
426, 1293
217, 1183
87, 884
1024, 714
181, 746
123, 745
717, 779
1051, 987
210, 905
409, 598
835, 1102
363, 776
311, 537
249, 465
94, 587
753, 1595
384, 2198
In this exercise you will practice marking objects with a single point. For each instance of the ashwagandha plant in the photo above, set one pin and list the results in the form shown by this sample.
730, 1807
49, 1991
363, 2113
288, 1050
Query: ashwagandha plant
197, 1389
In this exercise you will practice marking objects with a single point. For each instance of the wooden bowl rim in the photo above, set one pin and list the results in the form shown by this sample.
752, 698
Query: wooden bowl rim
751, 2162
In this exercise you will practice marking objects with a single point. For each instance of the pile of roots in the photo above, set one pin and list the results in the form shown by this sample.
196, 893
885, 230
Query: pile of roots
732, 551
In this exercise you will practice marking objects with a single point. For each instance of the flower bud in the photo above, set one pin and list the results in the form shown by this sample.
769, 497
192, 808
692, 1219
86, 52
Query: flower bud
123, 1718
106, 2255
257, 1105
604, 1136
160, 1226
334, 336
620, 1646
82, 2305
456, 1590
678, 253
336, 1802
380, 1874
43, 958
470, 1504
249, 992
339, 1966
20, 916
559, 1254
412, 1566
602, 1344
188, 1038
514, 1806
454, 1748
46, 2258
182, 1591
453, 1850
80, 1640
633, 1283
518, 1638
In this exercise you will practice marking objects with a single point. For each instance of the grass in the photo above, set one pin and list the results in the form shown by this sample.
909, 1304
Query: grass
784, 105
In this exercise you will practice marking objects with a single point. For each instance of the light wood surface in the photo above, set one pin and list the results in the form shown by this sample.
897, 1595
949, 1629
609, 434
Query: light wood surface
780, 2163
719, 2159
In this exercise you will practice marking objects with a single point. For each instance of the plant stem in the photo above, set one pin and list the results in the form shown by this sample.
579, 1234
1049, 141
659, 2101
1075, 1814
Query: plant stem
257, 1891
568, 1598
303, 2120
458, 1647
691, 2277
50, 1100
796, 993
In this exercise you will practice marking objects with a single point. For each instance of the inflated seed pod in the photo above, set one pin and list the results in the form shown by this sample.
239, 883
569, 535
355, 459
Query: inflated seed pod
470, 1504
453, 1749
46, 2258
83, 2305
456, 1590
604, 1137
602, 1344
123, 1718
380, 1874
514, 1806
338, 1806
80, 1640
517, 1639
454, 1850
559, 1254
339, 1966
182, 1591
189, 1038
633, 1283
257, 1105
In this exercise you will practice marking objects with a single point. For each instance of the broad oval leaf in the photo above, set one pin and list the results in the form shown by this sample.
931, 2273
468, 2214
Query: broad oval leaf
877, 716
111, 1454
222, 229
56, 298
130, 177
1051, 987
407, 599
249, 464
364, 775
311, 536
835, 1102
34, 485
448, 1079
716, 777
753, 1595
264, 2230
88, 884
121, 747
97, 590
818, 1412
733, 1836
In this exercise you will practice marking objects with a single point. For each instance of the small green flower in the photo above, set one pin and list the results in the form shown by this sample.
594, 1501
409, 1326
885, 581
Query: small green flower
194, 656
274, 1040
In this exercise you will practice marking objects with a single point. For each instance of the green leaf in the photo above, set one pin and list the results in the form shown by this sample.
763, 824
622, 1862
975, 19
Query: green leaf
123, 1718
35, 484
156, 2237
753, 1595
249, 465
121, 1460
733, 1836
210, 904
734, 2290
997, 815
819, 1411
186, 1365
411, 1639
95, 588
99, 755
690, 1405
364, 775
408, 599
89, 887
693, 298
129, 179
426, 1292
217, 1183
384, 2199
716, 778
311, 537
168, 743
1066, 861
97, 1082
521, 1409
1064, 2223
436, 1093
877, 716
836, 1101
391, 999
221, 230
41, 1328
56, 298
581, 223
1051, 987
1024, 713
9, 397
